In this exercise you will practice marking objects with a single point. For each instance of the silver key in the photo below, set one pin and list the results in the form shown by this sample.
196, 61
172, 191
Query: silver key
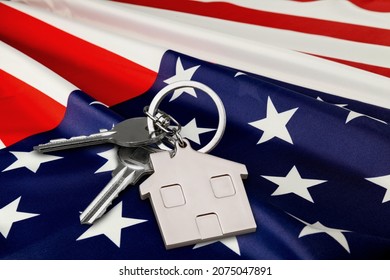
134, 163
128, 133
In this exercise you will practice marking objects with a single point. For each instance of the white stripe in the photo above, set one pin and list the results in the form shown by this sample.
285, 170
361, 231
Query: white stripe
97, 12
36, 75
134, 50
308, 43
333, 10
243, 54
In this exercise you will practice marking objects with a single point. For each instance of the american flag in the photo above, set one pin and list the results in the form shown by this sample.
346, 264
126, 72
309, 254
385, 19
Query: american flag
305, 85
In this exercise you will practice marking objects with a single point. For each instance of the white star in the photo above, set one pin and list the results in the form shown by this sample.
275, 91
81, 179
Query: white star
239, 74
2, 145
111, 225
383, 181
317, 227
352, 114
338, 105
98, 103
274, 125
10, 215
191, 131
112, 160
182, 75
230, 242
30, 160
293, 183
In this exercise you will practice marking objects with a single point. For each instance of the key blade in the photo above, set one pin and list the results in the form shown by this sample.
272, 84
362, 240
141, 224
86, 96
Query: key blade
104, 199
75, 142
133, 165
138, 160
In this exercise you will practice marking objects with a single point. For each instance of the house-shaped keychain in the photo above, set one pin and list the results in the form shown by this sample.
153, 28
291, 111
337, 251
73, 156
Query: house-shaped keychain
197, 197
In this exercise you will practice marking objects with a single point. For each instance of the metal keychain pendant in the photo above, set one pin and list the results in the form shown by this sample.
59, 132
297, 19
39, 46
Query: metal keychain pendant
197, 197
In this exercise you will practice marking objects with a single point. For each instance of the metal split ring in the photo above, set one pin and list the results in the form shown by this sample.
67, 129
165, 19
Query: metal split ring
162, 120
153, 110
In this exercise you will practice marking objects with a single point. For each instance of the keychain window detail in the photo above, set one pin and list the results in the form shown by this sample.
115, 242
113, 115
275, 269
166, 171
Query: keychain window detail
222, 186
172, 196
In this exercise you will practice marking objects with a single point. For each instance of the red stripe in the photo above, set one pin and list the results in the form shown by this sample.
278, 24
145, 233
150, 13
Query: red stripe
367, 67
226, 11
102, 74
24, 110
373, 5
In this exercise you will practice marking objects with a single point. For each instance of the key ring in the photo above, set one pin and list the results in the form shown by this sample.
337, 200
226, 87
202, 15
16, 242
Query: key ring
162, 120
153, 107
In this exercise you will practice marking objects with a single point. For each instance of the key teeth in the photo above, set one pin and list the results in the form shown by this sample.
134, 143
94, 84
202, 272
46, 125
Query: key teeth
42, 148
45, 148
75, 142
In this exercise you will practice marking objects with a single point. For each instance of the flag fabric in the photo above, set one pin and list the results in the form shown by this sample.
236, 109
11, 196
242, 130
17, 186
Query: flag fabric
142, 36
307, 115
337, 30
